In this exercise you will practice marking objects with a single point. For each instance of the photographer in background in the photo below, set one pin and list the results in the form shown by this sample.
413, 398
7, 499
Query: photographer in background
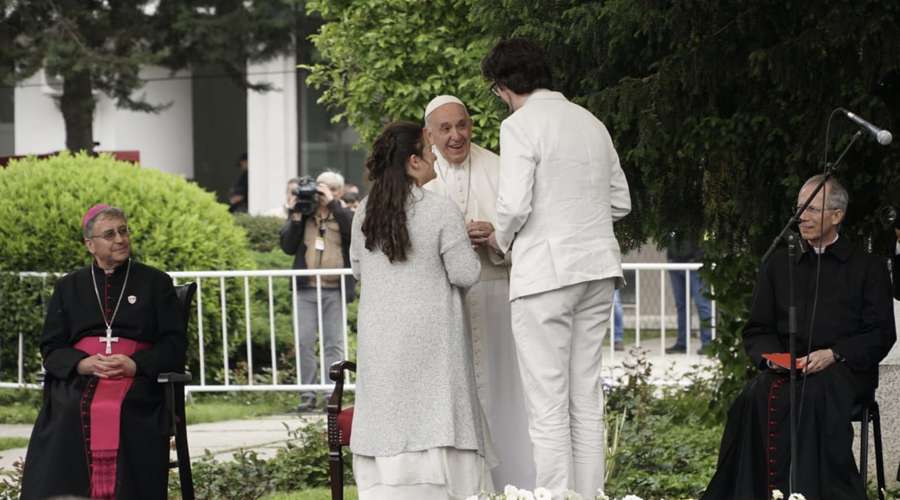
317, 234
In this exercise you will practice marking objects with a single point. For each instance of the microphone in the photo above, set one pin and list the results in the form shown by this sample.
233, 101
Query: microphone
881, 135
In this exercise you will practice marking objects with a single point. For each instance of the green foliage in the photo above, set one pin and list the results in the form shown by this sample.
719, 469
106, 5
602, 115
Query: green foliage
663, 441
262, 234
11, 481
303, 464
176, 227
350, 493
8, 443
216, 407
384, 60
19, 406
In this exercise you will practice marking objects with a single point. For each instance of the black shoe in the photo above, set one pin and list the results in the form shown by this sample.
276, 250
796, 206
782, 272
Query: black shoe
705, 350
676, 349
619, 345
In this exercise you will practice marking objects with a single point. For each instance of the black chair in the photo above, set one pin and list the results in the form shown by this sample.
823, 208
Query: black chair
339, 421
174, 386
864, 414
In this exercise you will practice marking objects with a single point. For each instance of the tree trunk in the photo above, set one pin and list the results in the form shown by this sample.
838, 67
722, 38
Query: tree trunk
77, 106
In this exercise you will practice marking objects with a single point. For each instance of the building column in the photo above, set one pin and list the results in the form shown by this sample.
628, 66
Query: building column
271, 134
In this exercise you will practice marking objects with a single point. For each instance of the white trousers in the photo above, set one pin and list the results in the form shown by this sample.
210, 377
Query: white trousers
558, 338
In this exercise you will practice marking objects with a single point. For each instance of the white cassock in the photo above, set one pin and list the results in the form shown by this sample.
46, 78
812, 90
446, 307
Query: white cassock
473, 186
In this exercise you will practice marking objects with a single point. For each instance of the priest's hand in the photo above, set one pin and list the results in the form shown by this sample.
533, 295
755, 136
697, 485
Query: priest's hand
817, 361
479, 232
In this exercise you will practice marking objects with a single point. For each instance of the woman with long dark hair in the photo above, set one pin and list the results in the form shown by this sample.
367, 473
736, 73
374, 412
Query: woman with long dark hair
417, 427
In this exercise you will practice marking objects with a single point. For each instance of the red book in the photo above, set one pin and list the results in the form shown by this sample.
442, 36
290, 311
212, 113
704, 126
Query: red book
782, 359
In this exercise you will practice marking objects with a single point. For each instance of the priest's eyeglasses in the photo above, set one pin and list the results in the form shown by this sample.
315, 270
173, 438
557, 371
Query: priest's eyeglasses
495, 89
816, 210
110, 234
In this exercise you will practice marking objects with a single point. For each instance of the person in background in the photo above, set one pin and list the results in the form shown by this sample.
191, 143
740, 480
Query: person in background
319, 238
237, 197
682, 249
350, 198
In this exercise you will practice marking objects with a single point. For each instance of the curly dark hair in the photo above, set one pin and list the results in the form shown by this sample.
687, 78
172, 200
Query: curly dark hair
519, 65
385, 224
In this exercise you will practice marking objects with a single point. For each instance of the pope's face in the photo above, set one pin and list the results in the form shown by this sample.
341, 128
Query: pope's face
450, 129
817, 227
109, 242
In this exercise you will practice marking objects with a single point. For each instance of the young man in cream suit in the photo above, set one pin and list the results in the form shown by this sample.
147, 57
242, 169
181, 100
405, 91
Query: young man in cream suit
560, 189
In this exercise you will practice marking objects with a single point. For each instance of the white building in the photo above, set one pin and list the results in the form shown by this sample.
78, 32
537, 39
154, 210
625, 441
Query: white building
209, 123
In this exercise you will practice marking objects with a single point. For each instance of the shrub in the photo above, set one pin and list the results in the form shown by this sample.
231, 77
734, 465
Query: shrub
301, 465
177, 226
262, 232
663, 441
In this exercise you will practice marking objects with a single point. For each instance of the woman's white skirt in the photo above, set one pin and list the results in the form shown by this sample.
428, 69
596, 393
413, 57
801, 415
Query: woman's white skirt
436, 473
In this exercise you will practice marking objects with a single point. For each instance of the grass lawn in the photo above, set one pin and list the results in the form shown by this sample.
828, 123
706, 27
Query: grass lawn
313, 494
217, 411
20, 406
8, 443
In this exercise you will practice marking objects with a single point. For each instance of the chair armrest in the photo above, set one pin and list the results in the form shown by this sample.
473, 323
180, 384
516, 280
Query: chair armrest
174, 377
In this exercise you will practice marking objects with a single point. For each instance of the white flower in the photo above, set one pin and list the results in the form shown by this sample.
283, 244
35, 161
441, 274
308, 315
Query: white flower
796, 496
571, 495
541, 493
632, 497
525, 495
777, 495
601, 495
510, 490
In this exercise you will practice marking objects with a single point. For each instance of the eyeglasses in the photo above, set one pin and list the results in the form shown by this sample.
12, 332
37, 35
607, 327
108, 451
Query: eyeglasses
110, 234
816, 210
495, 89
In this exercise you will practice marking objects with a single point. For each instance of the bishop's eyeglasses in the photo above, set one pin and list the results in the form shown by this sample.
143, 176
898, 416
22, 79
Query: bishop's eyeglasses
110, 234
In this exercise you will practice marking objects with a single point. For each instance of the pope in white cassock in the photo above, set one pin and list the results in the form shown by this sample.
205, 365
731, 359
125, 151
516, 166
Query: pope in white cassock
467, 174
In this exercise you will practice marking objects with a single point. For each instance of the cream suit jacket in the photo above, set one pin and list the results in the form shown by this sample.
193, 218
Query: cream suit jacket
560, 190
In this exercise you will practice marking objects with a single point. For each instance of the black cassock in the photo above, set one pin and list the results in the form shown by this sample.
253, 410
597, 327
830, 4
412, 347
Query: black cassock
57, 459
854, 317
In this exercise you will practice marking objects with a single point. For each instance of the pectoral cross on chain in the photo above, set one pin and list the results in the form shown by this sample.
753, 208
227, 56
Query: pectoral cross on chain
108, 340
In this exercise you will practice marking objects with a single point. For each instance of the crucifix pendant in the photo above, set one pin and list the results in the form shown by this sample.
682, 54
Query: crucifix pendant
108, 340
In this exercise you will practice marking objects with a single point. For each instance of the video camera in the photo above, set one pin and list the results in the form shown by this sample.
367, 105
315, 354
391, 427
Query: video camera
307, 196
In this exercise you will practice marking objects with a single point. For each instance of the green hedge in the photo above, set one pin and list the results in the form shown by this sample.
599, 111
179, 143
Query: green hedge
176, 226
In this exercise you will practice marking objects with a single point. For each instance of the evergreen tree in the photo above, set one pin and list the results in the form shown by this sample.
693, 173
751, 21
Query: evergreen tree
101, 45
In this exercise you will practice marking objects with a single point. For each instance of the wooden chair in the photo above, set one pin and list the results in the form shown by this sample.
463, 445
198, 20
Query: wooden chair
174, 387
339, 421
864, 414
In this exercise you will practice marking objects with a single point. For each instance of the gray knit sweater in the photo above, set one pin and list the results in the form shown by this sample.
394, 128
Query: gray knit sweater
416, 385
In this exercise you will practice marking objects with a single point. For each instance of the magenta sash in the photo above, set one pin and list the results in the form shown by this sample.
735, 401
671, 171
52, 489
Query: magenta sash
106, 416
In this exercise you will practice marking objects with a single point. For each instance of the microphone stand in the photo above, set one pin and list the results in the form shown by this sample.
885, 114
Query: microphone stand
793, 240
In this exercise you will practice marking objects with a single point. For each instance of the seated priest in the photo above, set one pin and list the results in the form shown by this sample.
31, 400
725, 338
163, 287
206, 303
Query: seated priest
110, 329
845, 326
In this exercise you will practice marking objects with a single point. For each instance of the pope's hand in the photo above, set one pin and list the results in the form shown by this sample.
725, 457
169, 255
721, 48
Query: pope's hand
479, 231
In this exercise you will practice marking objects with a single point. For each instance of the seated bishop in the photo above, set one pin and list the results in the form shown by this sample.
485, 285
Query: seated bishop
110, 329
